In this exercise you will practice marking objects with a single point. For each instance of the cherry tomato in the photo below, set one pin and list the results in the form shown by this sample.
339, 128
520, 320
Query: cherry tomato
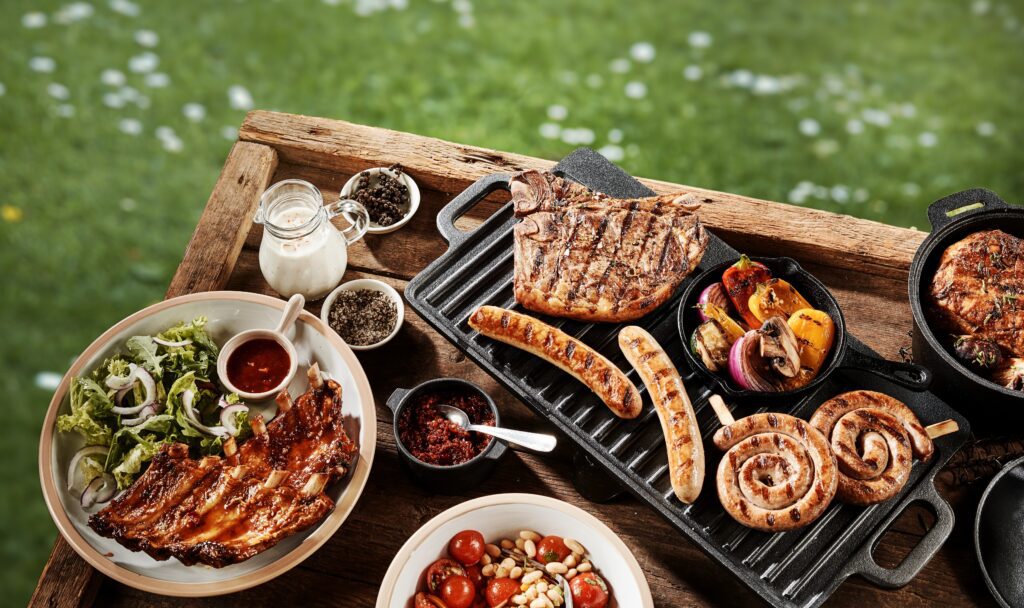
467, 547
552, 549
588, 591
499, 590
458, 591
425, 600
475, 576
439, 571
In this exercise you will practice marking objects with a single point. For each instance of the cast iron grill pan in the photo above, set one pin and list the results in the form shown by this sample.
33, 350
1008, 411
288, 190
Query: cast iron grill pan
798, 568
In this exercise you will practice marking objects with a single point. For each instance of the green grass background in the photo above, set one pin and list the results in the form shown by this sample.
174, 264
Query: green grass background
93, 220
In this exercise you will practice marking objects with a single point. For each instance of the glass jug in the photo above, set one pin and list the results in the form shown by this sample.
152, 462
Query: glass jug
302, 251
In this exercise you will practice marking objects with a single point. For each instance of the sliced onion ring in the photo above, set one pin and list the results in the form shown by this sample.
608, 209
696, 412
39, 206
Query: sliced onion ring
122, 382
170, 344
187, 397
147, 383
227, 417
92, 450
147, 412
99, 490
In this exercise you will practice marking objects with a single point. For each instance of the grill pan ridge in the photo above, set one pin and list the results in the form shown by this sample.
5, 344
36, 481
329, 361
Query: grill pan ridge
800, 568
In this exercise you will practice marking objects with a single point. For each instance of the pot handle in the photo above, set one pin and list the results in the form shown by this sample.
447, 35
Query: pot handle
464, 202
396, 398
946, 210
908, 375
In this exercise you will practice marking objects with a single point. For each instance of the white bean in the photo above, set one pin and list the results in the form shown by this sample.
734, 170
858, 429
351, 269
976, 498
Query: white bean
520, 543
556, 568
584, 567
570, 560
554, 594
519, 600
507, 544
574, 546
487, 570
531, 548
492, 550
540, 602
515, 572
485, 559
542, 587
532, 577
570, 574
507, 563
531, 593
529, 535
500, 572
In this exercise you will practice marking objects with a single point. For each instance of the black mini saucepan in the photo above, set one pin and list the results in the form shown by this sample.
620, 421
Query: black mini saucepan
909, 375
999, 534
954, 218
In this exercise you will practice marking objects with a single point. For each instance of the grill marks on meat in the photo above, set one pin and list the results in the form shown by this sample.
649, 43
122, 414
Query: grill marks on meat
583, 255
221, 511
978, 289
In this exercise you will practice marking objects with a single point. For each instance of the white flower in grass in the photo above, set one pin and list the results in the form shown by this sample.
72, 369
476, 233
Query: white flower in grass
58, 91
130, 126
874, 116
550, 130
65, 110
854, 127
240, 98
76, 11
740, 78
113, 100
927, 139
128, 204
125, 7
612, 152
980, 7
809, 127
985, 129
43, 65
143, 62
766, 85
33, 20
194, 111
129, 94
558, 112
229, 132
169, 139
594, 81
462, 6
860, 195
399, 5
577, 137
3, 89
620, 66
615, 136
693, 73
642, 52
467, 21
699, 40
157, 80
911, 190
147, 38
112, 77
825, 147
840, 194
47, 381
636, 90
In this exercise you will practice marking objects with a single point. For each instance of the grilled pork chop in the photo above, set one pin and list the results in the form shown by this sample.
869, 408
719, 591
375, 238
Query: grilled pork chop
221, 511
583, 255
978, 289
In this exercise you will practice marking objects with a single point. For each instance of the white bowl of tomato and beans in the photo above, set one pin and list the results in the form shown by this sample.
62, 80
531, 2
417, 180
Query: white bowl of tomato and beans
442, 564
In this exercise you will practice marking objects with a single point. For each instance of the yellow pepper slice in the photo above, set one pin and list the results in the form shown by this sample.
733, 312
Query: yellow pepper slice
815, 332
776, 298
733, 331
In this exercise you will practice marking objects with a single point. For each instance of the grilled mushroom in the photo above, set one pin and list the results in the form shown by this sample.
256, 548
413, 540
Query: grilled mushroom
978, 353
779, 347
1011, 375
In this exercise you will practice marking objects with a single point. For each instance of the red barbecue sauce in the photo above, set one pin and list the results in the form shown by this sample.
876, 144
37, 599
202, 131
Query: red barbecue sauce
258, 366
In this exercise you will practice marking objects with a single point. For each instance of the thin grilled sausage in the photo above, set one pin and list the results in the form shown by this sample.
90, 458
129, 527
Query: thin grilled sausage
561, 349
678, 423
777, 473
874, 438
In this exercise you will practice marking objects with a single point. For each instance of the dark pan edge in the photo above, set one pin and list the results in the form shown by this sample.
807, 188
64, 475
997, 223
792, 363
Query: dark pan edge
977, 529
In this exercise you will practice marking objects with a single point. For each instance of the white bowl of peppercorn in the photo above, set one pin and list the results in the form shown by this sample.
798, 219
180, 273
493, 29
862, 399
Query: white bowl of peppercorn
390, 196
365, 313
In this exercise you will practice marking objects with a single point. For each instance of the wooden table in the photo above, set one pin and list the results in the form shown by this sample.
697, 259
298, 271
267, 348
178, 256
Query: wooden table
865, 263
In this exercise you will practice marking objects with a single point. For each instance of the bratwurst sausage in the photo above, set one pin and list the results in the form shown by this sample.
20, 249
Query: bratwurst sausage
874, 437
777, 474
678, 423
560, 349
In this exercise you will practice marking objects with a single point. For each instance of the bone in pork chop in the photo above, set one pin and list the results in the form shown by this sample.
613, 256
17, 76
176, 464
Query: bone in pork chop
583, 255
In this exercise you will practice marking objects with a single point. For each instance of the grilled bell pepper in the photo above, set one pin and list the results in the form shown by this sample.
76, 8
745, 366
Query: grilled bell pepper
732, 329
815, 333
741, 280
776, 298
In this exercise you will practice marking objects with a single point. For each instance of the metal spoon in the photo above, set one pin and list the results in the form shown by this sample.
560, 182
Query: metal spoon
540, 442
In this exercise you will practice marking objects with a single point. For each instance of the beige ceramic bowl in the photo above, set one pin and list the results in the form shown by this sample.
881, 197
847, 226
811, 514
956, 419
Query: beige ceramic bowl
373, 285
410, 184
503, 516
229, 313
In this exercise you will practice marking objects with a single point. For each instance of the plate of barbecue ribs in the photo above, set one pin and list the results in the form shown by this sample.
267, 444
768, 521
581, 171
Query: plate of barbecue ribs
199, 508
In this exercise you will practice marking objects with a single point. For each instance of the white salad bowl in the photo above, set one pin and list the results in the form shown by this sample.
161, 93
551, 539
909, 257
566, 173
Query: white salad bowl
503, 516
228, 313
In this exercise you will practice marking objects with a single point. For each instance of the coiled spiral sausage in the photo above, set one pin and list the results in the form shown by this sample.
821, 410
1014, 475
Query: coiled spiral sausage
874, 438
777, 473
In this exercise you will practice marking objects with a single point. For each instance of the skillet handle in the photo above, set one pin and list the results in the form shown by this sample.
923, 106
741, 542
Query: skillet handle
908, 375
864, 562
464, 202
946, 210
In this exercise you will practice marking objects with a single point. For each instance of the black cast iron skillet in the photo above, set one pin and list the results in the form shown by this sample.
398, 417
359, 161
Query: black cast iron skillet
954, 218
999, 535
908, 375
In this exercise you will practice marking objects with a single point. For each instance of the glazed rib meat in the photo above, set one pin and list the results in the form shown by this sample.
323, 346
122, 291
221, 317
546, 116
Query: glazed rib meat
221, 511
978, 289
583, 255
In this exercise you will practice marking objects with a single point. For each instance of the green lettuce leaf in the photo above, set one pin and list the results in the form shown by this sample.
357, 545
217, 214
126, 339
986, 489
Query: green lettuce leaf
90, 412
144, 351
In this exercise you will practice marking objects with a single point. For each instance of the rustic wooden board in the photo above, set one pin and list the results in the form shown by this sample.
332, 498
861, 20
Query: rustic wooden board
865, 264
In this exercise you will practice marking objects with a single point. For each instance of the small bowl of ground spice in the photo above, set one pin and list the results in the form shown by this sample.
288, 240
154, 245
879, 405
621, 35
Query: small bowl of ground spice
390, 196
365, 313
438, 453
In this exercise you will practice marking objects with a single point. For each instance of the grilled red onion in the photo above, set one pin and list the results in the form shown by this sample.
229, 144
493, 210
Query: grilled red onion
187, 397
170, 344
715, 294
92, 450
227, 417
147, 412
99, 490
746, 366
135, 373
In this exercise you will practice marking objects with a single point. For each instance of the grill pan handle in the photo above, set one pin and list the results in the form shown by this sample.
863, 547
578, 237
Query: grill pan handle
947, 210
864, 564
908, 375
464, 202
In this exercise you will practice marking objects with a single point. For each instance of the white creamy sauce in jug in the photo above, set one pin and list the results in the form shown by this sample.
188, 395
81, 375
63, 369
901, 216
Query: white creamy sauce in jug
312, 264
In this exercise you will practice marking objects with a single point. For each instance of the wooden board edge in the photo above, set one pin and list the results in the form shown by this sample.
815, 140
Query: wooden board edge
830, 238
67, 580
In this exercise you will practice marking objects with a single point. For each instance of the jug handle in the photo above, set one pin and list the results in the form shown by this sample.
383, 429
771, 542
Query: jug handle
350, 208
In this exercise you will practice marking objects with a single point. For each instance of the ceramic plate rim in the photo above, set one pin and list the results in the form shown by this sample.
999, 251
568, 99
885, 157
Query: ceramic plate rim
319, 535
418, 537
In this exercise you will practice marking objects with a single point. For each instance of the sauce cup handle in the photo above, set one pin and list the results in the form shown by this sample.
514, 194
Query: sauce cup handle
355, 213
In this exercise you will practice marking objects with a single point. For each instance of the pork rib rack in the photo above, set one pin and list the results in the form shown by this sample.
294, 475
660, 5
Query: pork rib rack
583, 255
221, 511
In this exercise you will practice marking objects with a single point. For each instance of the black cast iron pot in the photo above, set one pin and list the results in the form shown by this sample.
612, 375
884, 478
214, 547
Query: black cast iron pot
953, 218
457, 478
909, 375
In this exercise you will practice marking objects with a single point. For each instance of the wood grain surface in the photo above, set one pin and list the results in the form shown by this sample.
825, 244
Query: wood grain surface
864, 263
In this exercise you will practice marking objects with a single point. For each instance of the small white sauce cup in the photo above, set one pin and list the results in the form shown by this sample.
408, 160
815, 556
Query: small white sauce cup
291, 312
